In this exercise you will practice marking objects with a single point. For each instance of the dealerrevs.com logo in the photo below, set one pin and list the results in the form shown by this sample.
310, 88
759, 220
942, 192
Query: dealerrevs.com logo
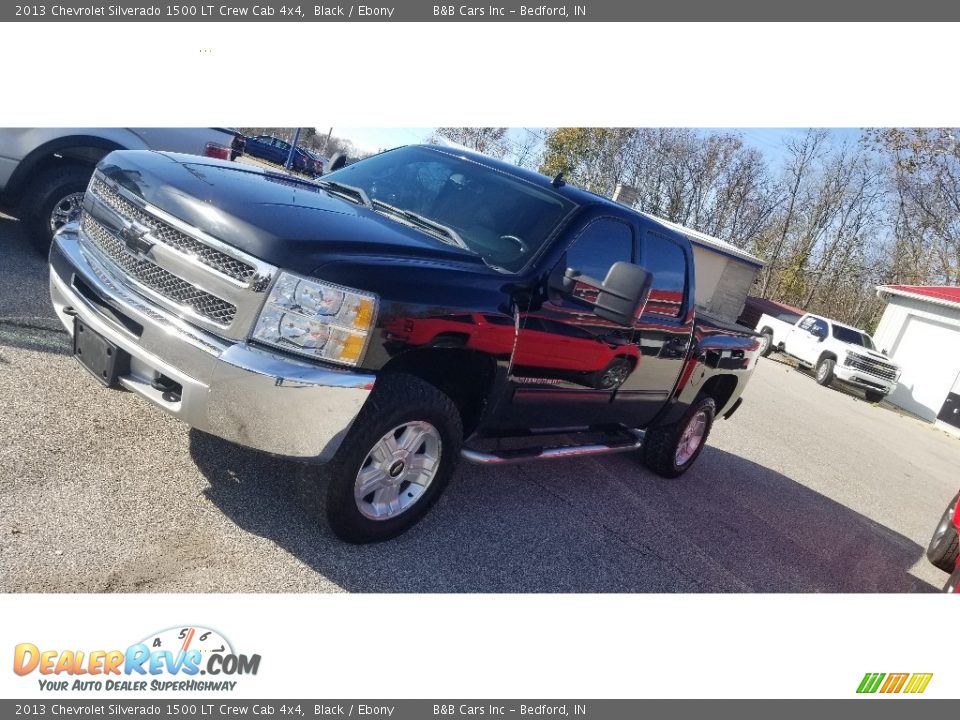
172, 659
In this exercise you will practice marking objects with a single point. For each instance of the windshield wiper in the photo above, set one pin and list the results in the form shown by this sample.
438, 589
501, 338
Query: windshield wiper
423, 222
350, 191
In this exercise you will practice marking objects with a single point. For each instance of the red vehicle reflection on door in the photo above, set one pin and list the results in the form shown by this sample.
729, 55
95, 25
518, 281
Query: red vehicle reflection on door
549, 345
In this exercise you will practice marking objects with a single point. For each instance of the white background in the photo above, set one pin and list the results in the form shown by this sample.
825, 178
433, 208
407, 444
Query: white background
756, 75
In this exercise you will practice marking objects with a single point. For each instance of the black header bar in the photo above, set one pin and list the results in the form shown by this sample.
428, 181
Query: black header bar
497, 11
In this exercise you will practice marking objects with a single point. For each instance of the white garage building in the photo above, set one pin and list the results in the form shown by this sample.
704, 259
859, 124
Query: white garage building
920, 330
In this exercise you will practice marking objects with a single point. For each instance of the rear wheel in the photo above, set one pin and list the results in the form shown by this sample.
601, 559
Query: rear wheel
766, 344
672, 449
944, 546
52, 200
395, 462
825, 371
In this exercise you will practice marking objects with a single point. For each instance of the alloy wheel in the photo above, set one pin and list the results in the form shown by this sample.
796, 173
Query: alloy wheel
67, 210
691, 439
398, 470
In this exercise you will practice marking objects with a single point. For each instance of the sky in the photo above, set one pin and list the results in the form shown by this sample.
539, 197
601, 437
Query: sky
767, 140
377, 139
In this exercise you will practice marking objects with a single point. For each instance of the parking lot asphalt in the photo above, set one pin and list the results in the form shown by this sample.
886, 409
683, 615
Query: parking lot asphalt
804, 489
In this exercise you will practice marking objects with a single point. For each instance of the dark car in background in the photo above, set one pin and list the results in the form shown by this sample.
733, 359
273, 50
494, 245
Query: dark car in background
237, 145
319, 161
276, 150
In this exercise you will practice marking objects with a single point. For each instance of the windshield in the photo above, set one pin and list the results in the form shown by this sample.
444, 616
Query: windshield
852, 337
503, 219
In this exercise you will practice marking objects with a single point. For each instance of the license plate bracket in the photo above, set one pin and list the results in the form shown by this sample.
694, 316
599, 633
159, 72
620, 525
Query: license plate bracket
104, 360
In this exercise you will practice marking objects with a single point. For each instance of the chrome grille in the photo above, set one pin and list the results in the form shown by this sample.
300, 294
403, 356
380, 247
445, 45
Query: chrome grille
170, 236
155, 278
871, 366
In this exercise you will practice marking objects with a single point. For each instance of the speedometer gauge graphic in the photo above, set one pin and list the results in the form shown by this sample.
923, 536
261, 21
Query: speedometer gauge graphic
183, 639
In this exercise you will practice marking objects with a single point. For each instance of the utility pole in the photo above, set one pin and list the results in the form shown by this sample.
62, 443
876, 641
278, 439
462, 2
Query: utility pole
293, 149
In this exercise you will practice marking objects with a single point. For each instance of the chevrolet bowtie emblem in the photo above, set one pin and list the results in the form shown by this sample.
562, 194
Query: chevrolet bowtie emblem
134, 236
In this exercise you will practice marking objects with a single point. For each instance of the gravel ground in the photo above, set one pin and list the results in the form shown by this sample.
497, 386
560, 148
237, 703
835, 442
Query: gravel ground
805, 489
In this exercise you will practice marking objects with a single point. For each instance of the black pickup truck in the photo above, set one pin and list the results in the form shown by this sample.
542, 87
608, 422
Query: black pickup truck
415, 308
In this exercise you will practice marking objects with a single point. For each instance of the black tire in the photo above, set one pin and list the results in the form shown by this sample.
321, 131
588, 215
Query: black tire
874, 396
953, 582
944, 546
824, 373
613, 375
44, 194
660, 444
396, 399
766, 344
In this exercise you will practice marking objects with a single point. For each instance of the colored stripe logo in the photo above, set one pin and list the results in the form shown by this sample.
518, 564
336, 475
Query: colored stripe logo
913, 683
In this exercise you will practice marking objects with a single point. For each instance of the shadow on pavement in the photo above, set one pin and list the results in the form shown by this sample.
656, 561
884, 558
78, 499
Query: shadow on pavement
603, 525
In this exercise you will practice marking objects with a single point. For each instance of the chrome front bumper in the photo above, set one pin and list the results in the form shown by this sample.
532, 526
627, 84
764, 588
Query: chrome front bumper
233, 390
863, 380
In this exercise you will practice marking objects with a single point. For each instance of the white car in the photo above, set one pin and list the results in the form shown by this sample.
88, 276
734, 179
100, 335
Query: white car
837, 351
44, 171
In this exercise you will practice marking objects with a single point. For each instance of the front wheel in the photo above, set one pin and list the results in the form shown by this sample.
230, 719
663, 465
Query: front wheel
874, 396
825, 371
672, 449
395, 462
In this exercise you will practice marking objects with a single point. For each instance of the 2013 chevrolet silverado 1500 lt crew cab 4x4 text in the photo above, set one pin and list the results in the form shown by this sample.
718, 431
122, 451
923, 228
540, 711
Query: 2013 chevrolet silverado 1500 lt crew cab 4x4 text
420, 306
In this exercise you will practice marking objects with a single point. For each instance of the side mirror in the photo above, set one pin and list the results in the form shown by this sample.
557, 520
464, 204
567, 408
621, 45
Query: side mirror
884, 352
620, 298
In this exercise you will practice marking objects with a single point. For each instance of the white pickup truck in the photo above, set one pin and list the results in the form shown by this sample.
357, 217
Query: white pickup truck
838, 352
44, 171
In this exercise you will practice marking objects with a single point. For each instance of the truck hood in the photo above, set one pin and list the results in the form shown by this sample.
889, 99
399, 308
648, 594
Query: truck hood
282, 220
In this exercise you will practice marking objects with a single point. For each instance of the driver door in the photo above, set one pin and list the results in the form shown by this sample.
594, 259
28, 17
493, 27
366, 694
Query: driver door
568, 362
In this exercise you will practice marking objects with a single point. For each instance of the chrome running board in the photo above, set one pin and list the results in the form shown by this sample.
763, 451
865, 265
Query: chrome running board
632, 440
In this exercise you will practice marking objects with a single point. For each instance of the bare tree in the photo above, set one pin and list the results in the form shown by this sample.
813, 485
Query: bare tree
803, 155
488, 140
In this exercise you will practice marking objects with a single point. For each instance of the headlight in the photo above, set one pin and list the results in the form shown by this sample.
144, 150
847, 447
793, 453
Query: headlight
313, 318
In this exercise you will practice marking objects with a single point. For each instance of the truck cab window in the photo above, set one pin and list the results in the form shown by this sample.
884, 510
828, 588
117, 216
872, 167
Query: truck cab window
601, 244
666, 260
